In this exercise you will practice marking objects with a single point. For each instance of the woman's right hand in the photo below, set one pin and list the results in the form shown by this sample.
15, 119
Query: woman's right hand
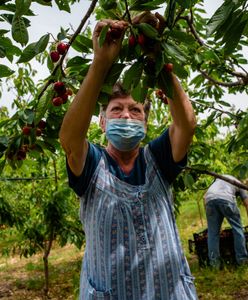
108, 52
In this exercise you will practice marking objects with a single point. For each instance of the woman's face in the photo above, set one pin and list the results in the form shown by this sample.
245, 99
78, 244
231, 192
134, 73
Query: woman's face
125, 108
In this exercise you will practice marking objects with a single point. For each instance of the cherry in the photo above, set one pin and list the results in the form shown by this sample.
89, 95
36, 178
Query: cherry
149, 65
62, 48
57, 101
54, 56
69, 92
132, 41
141, 39
159, 94
26, 130
59, 87
21, 154
165, 100
11, 155
42, 124
168, 67
38, 132
115, 33
64, 97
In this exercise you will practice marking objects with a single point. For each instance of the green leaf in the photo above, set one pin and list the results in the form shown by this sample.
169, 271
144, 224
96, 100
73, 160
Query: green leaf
133, 75
3, 143
77, 61
188, 180
148, 30
3, 31
82, 44
27, 115
174, 51
2, 52
5, 71
179, 70
233, 36
170, 13
186, 3
42, 2
220, 16
103, 34
10, 49
43, 104
22, 6
139, 93
224, 103
182, 37
165, 83
19, 30
2, 165
33, 49
139, 6
63, 5
114, 73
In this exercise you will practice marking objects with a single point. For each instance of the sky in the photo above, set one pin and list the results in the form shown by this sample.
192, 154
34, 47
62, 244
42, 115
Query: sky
49, 20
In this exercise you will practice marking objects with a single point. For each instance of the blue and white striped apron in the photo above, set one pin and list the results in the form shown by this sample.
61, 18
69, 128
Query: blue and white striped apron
132, 250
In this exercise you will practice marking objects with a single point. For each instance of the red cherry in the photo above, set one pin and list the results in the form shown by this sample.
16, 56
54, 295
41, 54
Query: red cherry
168, 67
165, 100
59, 87
62, 48
38, 132
115, 33
42, 124
11, 155
64, 97
26, 130
69, 92
57, 101
132, 41
54, 56
159, 94
21, 154
141, 39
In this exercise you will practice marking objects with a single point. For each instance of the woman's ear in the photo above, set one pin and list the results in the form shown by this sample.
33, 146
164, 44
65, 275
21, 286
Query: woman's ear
102, 123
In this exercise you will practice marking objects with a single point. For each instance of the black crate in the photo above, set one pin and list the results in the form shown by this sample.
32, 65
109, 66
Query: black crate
199, 246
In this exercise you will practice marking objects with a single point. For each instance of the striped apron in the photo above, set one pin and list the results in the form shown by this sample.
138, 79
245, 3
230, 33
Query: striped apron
133, 251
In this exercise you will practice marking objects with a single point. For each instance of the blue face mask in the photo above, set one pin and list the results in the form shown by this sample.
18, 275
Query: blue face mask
125, 134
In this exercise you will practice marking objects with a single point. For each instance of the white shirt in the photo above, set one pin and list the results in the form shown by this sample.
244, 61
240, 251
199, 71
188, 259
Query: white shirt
221, 189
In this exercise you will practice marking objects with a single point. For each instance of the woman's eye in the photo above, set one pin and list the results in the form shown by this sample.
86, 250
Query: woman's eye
136, 110
116, 109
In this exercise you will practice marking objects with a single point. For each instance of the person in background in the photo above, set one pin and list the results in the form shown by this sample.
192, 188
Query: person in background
220, 202
133, 251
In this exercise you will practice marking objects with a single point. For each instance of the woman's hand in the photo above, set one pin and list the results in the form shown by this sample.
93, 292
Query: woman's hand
108, 52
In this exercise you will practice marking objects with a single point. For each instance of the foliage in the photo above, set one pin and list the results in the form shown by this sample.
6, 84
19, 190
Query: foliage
206, 55
43, 211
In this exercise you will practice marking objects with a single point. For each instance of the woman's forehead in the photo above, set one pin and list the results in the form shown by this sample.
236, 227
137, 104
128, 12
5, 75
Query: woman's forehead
124, 100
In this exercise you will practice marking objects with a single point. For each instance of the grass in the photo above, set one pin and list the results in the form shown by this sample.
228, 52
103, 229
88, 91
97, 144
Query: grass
23, 278
227, 284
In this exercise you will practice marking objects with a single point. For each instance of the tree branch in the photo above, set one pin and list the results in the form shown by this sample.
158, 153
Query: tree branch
216, 175
189, 20
217, 109
221, 83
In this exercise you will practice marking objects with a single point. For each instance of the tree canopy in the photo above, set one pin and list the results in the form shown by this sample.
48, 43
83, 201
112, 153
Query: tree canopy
206, 54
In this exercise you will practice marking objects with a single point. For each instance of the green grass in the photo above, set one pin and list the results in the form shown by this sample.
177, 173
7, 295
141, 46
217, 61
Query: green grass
227, 284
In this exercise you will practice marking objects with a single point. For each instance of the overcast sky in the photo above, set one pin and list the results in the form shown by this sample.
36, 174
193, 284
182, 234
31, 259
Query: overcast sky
49, 20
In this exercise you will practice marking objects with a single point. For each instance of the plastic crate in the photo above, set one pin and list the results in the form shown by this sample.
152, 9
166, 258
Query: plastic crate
199, 246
